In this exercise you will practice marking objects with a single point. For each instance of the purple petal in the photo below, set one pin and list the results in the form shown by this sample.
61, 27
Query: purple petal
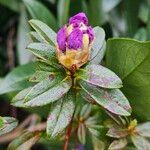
75, 39
61, 38
80, 17
91, 33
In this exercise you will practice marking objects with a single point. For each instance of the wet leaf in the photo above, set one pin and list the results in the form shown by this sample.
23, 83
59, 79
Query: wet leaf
60, 115
17, 79
45, 32
100, 76
51, 95
112, 100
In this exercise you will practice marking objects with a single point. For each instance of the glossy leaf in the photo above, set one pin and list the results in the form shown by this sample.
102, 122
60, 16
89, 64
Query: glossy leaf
42, 50
24, 142
51, 95
132, 59
140, 142
17, 79
38, 11
98, 42
46, 33
60, 115
112, 100
143, 129
99, 76
8, 125
63, 11
117, 132
118, 144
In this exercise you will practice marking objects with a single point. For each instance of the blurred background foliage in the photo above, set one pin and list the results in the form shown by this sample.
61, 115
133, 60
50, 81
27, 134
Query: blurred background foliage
119, 18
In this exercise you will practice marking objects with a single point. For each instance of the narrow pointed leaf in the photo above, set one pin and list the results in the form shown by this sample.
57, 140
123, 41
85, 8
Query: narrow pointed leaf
24, 142
9, 124
117, 132
42, 50
17, 79
112, 100
118, 144
98, 42
60, 115
86, 110
82, 133
100, 76
51, 95
140, 142
46, 33
144, 129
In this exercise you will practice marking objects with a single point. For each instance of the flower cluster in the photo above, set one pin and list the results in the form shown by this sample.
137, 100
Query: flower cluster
74, 41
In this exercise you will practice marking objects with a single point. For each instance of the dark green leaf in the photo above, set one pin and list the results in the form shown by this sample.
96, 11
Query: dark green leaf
112, 100
24, 142
51, 95
63, 11
118, 144
38, 11
130, 59
98, 43
99, 76
60, 115
9, 124
17, 79
46, 33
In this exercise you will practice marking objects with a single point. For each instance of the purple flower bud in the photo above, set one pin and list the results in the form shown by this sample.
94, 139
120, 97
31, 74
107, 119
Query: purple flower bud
78, 18
75, 39
91, 33
61, 38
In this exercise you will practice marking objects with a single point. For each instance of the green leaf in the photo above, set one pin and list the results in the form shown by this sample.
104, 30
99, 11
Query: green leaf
63, 11
23, 38
9, 124
98, 144
2, 122
112, 100
43, 86
143, 129
99, 76
130, 59
43, 51
118, 144
51, 95
140, 142
60, 115
85, 111
45, 32
13, 5
17, 79
38, 76
38, 11
35, 37
141, 34
82, 133
98, 43
117, 132
24, 142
